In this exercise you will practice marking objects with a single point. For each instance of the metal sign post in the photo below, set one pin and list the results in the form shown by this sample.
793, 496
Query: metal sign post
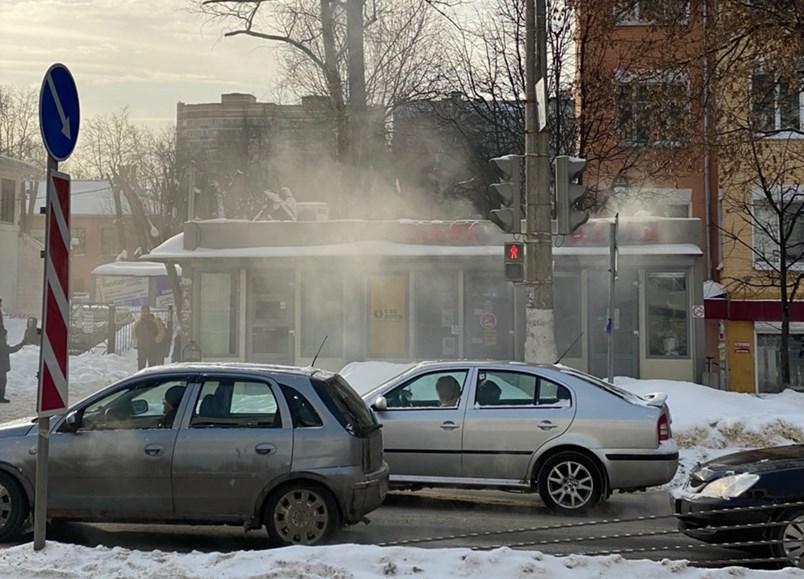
58, 121
613, 265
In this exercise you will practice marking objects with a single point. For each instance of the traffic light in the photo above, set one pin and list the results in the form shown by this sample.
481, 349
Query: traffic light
509, 216
570, 213
515, 261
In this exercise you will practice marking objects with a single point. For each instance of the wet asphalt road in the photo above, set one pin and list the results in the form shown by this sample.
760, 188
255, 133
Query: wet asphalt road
426, 514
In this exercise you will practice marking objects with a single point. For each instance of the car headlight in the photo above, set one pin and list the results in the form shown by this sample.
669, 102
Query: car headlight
729, 487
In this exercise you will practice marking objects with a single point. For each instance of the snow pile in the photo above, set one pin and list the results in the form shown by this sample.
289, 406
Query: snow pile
88, 373
707, 418
340, 562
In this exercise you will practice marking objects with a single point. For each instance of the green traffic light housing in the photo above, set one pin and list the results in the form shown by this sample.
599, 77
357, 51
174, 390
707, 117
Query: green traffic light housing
509, 216
570, 213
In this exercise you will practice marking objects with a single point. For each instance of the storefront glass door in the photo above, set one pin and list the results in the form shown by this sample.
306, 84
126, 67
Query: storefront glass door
271, 336
626, 324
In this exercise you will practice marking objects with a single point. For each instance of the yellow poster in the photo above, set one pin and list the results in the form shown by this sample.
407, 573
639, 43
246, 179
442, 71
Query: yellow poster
388, 324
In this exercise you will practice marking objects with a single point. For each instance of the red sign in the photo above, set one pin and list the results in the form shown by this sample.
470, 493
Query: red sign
742, 347
437, 233
53, 362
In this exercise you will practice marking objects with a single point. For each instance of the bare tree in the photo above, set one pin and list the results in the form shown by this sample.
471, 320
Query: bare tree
19, 127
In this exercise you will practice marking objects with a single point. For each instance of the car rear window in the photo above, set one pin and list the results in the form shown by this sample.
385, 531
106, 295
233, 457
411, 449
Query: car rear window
610, 388
344, 403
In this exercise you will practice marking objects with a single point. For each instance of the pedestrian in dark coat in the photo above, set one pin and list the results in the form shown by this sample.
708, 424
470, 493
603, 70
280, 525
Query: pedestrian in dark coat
5, 362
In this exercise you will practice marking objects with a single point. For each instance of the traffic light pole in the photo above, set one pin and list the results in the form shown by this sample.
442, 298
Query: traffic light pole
540, 341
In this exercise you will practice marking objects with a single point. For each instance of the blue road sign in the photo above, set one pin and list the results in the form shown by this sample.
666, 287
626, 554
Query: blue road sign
58, 112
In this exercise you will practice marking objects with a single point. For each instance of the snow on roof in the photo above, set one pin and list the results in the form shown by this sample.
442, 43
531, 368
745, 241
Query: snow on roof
87, 198
173, 248
132, 268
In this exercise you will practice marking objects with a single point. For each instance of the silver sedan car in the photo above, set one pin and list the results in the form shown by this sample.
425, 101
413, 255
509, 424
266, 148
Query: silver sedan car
294, 450
551, 429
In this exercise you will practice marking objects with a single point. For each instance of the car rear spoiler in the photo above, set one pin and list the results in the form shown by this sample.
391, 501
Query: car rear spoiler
655, 399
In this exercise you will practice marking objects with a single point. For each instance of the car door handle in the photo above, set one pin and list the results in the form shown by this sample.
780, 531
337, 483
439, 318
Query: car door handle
547, 425
153, 450
265, 448
449, 425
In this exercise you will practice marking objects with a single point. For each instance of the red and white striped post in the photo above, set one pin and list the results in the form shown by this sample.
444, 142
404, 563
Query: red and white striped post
54, 354
52, 398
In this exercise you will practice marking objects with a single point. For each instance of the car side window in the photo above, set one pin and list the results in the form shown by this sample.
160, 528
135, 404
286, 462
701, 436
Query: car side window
434, 390
149, 404
301, 411
234, 403
506, 388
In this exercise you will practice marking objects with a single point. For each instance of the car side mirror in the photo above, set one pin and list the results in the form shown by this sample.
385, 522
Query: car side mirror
139, 407
380, 404
73, 422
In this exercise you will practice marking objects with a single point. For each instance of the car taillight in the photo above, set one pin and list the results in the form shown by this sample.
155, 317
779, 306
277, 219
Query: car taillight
663, 428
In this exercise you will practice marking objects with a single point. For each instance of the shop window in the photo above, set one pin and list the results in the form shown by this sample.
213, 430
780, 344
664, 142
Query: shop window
489, 305
7, 198
668, 315
437, 323
568, 314
218, 328
322, 314
388, 316
769, 362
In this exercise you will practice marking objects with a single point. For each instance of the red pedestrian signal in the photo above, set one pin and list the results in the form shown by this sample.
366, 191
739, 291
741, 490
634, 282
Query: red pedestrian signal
515, 262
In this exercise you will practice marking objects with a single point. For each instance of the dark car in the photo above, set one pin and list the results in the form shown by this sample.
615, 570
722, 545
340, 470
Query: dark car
762, 487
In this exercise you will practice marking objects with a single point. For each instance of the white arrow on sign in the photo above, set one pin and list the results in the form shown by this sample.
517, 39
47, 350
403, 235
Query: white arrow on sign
65, 121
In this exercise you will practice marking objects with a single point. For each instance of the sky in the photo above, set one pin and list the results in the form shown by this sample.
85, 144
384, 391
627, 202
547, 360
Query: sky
144, 54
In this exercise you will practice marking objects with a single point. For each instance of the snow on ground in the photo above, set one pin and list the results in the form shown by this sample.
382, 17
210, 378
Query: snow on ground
88, 373
341, 562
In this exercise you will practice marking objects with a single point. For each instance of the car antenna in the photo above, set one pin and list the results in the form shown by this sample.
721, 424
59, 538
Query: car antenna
321, 347
578, 337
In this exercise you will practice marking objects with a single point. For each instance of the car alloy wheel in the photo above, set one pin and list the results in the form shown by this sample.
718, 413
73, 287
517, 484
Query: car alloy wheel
13, 508
5, 506
570, 485
793, 541
301, 516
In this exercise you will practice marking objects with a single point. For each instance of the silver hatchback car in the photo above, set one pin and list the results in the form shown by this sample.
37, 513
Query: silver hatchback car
292, 449
551, 429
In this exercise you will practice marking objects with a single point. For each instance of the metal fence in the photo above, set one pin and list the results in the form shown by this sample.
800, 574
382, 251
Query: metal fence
109, 329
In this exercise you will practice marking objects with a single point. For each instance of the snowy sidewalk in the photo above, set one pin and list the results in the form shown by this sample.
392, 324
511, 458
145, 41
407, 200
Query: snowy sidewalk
342, 562
88, 373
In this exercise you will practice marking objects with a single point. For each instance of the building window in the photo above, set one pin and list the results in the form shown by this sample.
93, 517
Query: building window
768, 241
651, 11
7, 201
652, 111
110, 242
775, 104
668, 315
322, 314
218, 328
79, 240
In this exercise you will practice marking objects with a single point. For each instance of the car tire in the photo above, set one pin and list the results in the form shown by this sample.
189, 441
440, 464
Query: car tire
14, 508
790, 537
301, 514
570, 483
